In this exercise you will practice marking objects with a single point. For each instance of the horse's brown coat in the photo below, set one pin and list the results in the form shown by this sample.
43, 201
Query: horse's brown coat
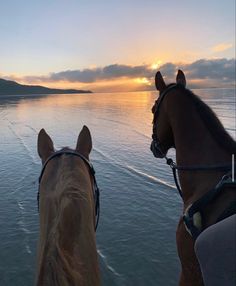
188, 125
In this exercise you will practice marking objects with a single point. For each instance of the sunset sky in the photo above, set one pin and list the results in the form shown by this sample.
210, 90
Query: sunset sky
117, 45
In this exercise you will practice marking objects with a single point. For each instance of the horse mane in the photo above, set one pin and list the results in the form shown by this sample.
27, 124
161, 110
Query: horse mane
211, 121
58, 266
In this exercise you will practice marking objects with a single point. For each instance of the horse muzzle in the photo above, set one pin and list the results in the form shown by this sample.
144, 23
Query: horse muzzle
155, 148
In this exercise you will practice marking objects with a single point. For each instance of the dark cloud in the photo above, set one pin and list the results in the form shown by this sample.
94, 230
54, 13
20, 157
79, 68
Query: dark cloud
86, 75
211, 69
114, 71
107, 72
204, 72
202, 69
215, 72
168, 70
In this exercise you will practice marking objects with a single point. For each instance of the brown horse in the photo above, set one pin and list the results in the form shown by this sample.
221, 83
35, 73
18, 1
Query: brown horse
67, 252
203, 149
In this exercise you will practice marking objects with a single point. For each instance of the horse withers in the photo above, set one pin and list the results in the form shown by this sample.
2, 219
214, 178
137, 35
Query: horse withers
203, 153
68, 204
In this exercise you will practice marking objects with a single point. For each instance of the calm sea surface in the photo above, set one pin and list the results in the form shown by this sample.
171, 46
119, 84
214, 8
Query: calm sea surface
140, 207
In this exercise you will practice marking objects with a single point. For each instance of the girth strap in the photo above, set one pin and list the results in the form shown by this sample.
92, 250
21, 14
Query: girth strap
192, 217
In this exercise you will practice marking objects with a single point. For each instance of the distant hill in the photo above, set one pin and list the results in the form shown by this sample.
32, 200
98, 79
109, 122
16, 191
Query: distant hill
8, 87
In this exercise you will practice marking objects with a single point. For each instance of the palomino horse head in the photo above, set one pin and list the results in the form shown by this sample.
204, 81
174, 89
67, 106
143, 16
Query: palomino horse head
67, 205
163, 138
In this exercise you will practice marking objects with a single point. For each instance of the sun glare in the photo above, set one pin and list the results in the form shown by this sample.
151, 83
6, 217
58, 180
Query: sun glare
142, 80
156, 65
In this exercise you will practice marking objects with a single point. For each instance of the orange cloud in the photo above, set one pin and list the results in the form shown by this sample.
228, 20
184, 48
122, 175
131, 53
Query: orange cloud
222, 47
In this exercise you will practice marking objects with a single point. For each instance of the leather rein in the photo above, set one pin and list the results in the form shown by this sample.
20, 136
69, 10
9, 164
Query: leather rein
96, 190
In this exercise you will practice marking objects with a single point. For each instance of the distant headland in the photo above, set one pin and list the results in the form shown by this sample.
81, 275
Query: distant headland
8, 87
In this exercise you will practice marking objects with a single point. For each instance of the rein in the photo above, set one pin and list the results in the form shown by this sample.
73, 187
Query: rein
96, 191
176, 167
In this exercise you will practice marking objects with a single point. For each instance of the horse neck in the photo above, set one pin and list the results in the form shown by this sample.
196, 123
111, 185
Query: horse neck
67, 249
194, 146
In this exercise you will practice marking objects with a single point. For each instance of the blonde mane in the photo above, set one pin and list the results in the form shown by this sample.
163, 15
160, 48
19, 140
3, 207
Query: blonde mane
62, 210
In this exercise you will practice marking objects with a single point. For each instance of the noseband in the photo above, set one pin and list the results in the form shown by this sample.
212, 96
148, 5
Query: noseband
96, 191
192, 217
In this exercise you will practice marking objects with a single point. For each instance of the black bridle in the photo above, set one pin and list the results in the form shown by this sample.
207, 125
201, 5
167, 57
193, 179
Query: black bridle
194, 209
156, 147
156, 144
96, 191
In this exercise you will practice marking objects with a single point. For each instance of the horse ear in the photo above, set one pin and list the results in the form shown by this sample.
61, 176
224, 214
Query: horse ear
45, 145
159, 81
84, 142
180, 78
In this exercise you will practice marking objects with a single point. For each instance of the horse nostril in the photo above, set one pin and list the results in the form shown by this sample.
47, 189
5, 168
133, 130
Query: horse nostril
151, 147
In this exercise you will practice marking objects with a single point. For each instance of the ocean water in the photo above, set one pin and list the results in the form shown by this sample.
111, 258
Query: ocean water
140, 207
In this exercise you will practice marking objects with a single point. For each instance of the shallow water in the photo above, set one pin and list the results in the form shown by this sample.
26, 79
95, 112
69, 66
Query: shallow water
139, 204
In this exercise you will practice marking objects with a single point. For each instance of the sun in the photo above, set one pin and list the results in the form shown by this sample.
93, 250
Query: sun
156, 65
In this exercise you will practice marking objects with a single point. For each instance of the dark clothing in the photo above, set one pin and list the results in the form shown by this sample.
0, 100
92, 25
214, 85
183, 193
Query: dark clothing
216, 252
